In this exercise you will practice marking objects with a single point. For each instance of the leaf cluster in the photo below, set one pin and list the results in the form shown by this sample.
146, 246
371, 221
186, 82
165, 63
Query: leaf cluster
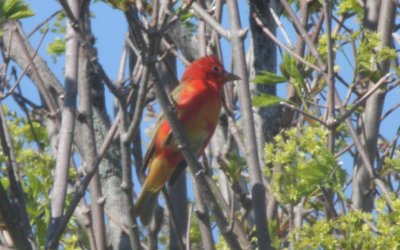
369, 54
56, 48
353, 230
351, 7
35, 164
298, 164
293, 73
13, 10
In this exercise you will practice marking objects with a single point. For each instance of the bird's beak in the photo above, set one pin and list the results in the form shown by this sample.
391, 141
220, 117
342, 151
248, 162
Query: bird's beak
231, 77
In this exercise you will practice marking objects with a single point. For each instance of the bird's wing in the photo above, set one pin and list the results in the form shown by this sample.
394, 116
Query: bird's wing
182, 114
150, 149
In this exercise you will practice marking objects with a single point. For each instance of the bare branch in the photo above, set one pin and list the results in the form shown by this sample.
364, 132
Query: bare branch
280, 44
257, 186
64, 150
51, 103
303, 33
82, 186
362, 100
89, 151
211, 21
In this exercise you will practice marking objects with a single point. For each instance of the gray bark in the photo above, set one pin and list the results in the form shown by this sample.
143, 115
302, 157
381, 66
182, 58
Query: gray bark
88, 149
64, 152
51, 84
380, 16
257, 187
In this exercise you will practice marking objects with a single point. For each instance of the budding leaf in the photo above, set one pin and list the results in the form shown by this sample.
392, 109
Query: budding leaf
266, 77
266, 100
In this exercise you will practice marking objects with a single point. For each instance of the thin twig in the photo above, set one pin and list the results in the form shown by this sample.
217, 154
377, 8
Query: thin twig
51, 103
234, 130
392, 109
117, 221
11, 90
344, 150
280, 26
211, 21
43, 23
140, 102
361, 101
303, 33
302, 112
283, 46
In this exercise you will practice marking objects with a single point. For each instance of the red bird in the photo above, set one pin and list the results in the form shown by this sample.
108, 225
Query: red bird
197, 102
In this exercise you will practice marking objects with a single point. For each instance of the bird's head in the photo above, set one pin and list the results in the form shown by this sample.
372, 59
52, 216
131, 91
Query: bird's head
210, 69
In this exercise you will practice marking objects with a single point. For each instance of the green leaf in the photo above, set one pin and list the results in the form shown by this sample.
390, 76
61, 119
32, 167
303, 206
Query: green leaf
186, 18
14, 9
266, 77
56, 48
266, 100
350, 6
298, 164
21, 14
393, 164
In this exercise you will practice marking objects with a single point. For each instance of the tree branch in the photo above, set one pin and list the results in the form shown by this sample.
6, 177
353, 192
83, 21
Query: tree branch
82, 186
257, 186
13, 211
64, 150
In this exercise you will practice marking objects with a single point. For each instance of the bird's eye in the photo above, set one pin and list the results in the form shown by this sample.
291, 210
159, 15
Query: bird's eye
216, 69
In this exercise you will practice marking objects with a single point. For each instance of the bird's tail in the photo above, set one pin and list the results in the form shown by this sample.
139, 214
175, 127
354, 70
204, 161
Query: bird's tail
145, 205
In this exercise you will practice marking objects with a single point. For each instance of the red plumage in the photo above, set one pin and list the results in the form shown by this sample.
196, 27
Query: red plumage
197, 100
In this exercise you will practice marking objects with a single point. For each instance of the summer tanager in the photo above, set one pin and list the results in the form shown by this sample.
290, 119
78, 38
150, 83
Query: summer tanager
197, 100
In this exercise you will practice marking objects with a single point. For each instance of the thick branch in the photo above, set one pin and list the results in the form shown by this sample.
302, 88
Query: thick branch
89, 149
66, 132
82, 186
257, 189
